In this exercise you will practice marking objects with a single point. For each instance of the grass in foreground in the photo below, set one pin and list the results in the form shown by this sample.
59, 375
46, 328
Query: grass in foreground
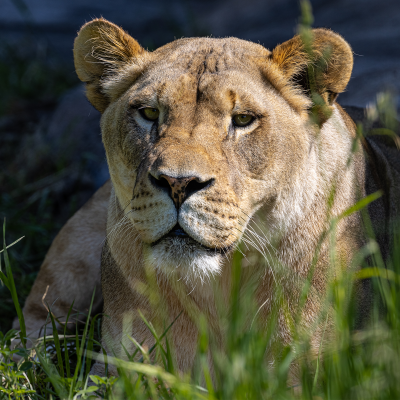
361, 364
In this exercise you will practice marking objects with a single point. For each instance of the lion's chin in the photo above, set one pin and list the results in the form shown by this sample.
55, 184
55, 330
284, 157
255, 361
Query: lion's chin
184, 257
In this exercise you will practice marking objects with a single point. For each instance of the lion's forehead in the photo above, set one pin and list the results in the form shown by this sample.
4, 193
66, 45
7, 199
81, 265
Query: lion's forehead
222, 90
222, 71
199, 57
210, 54
217, 92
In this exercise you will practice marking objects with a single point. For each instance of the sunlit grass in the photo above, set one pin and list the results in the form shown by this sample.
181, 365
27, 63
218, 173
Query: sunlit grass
358, 364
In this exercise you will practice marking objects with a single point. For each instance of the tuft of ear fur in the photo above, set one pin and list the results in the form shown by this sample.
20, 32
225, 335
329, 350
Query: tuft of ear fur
101, 51
319, 63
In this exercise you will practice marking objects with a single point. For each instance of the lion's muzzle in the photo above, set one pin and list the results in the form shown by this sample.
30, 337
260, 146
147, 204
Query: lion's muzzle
179, 188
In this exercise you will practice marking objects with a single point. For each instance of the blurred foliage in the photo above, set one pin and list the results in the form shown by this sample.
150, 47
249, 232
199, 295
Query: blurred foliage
29, 74
31, 81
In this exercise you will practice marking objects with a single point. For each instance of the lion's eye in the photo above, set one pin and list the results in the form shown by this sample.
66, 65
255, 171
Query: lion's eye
242, 119
151, 114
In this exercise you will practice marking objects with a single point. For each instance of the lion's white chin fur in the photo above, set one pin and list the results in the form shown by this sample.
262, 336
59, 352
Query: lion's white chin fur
184, 257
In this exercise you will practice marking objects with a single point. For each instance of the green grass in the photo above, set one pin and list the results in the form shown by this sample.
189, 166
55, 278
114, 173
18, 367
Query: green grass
358, 364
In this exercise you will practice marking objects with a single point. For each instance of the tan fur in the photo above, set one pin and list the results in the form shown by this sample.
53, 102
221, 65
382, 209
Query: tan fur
276, 174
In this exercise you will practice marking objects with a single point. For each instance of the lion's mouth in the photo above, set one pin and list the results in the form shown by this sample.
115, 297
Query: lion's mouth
178, 232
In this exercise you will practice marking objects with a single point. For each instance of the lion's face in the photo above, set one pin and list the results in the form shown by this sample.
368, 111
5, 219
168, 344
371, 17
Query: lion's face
190, 179
198, 137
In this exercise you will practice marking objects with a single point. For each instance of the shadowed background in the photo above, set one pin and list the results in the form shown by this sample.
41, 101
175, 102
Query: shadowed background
51, 156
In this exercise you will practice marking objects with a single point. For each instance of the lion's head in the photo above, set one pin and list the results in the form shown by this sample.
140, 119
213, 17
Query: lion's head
203, 132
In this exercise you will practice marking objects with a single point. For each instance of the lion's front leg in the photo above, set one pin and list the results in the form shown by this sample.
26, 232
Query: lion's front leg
71, 269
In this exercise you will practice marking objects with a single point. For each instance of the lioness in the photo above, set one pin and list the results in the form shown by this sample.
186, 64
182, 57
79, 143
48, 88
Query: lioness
203, 137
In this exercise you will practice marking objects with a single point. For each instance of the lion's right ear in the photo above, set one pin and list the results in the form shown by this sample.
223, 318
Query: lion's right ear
330, 59
323, 66
101, 51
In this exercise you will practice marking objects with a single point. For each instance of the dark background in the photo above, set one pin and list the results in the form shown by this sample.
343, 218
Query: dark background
372, 27
51, 156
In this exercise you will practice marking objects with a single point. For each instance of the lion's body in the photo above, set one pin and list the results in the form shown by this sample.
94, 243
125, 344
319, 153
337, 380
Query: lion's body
278, 172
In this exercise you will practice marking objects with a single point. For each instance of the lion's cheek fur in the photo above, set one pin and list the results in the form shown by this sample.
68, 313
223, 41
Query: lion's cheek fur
122, 176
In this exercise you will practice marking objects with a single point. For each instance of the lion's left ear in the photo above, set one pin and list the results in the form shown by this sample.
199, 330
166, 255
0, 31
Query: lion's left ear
323, 65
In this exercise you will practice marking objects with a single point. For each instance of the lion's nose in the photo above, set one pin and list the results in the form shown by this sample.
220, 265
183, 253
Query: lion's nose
179, 189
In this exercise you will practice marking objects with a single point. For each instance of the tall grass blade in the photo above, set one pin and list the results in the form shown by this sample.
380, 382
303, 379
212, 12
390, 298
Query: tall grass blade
13, 290
66, 355
56, 343
81, 348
